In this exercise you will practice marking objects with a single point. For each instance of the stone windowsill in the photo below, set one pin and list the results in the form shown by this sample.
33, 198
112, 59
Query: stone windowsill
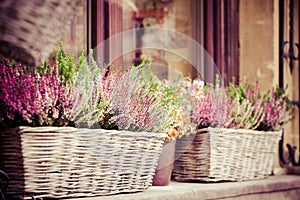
274, 187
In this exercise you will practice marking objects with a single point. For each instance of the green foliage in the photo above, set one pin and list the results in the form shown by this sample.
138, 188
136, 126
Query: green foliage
66, 65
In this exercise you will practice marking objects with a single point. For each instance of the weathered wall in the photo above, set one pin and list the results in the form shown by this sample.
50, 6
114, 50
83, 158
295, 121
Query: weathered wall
74, 35
258, 61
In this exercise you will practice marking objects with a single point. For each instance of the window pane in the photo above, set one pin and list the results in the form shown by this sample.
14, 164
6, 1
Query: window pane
178, 16
74, 38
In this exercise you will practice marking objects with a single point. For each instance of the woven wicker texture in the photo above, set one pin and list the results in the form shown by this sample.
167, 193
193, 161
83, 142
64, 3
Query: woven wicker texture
31, 28
67, 162
226, 155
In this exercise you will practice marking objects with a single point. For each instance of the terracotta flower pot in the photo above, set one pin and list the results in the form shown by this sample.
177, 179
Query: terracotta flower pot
162, 176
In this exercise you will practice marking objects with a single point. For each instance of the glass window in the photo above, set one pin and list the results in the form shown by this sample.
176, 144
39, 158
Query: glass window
75, 35
148, 21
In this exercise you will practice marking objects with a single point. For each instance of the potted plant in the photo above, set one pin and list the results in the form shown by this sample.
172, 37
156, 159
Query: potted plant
182, 127
40, 107
235, 140
33, 103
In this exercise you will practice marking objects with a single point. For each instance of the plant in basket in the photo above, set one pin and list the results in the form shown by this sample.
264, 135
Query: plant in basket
138, 101
28, 99
241, 107
211, 106
235, 120
39, 105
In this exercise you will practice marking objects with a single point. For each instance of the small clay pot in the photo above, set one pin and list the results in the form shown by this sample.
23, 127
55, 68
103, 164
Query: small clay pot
162, 176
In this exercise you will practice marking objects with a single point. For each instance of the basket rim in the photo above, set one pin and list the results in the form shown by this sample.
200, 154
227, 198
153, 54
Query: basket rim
242, 131
66, 129
125, 133
39, 129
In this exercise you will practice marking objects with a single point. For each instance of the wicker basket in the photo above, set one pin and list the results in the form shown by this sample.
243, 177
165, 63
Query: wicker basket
53, 162
226, 155
31, 28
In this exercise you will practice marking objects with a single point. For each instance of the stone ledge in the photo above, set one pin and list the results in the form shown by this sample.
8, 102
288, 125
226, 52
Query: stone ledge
274, 187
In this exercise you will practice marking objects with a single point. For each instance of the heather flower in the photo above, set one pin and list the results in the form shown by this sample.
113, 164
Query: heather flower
82, 79
202, 116
212, 106
87, 88
27, 98
236, 106
277, 111
250, 110
245, 106
137, 100
63, 92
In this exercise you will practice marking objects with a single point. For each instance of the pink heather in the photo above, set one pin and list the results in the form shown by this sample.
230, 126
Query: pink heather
33, 96
275, 112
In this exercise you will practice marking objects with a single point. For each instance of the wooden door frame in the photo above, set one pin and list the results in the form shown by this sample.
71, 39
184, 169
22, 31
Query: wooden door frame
221, 36
105, 22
